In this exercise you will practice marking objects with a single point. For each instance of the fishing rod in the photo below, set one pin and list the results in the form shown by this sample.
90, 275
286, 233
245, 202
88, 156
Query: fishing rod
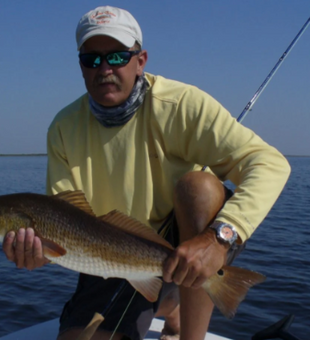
272, 73
269, 77
98, 318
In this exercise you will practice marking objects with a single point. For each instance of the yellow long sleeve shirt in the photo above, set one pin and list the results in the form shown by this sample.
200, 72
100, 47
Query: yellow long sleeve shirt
134, 167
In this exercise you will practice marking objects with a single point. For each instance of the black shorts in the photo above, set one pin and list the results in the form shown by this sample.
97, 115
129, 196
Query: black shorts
94, 294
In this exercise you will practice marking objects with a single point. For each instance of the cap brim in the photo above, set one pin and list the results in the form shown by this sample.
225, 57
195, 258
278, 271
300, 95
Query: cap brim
125, 39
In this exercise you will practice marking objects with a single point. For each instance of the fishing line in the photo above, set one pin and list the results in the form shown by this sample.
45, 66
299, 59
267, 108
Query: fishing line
98, 318
122, 317
115, 297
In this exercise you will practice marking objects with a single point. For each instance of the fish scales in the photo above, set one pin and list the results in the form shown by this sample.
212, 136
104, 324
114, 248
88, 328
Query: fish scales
113, 245
92, 246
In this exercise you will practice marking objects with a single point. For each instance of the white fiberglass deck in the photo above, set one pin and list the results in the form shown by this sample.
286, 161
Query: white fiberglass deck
48, 331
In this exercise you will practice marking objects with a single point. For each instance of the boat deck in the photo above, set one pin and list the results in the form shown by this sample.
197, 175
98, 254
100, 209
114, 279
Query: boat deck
48, 331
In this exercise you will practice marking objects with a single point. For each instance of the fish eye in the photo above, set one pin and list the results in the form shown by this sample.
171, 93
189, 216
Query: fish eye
220, 272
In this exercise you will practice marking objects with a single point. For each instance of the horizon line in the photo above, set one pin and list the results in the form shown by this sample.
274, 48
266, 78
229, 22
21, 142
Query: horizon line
45, 154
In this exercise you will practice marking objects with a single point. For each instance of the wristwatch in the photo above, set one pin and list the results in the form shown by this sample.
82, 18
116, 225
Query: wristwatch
225, 232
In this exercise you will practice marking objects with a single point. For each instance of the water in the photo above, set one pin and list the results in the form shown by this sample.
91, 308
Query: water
279, 249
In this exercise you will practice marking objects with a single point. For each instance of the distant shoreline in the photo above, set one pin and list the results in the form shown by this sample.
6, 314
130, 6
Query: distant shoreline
22, 154
44, 154
296, 155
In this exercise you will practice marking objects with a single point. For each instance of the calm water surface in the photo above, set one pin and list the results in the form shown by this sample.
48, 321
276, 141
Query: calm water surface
279, 249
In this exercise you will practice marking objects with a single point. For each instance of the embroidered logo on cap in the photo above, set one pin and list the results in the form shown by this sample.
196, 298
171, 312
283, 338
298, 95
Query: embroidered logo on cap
100, 17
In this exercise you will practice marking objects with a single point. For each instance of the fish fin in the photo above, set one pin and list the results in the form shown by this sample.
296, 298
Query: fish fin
76, 198
229, 286
52, 249
149, 288
134, 227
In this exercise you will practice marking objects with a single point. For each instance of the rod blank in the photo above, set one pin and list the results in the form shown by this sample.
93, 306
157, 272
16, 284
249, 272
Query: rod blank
271, 74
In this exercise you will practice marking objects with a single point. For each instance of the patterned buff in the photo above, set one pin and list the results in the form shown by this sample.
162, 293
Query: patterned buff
119, 115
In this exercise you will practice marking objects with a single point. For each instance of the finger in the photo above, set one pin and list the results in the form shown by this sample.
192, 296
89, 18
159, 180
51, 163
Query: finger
38, 254
8, 246
190, 277
199, 282
28, 247
170, 265
20, 248
180, 272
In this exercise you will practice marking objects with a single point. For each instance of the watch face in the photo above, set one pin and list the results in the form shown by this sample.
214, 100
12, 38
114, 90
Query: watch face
227, 233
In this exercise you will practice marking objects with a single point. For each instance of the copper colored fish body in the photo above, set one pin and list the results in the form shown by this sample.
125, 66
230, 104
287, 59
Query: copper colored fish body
113, 245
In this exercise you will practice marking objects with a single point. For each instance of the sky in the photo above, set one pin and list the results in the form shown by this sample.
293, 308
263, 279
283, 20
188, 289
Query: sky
225, 47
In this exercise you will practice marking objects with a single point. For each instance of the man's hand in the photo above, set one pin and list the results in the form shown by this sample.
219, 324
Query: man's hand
195, 260
24, 248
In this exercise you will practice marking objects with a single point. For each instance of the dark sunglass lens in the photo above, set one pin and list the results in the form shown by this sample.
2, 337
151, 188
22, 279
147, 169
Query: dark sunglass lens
118, 58
90, 60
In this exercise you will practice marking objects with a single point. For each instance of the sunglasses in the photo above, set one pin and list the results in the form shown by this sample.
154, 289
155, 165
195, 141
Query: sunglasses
94, 60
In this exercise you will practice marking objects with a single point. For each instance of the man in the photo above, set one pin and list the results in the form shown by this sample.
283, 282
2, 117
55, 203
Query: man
136, 142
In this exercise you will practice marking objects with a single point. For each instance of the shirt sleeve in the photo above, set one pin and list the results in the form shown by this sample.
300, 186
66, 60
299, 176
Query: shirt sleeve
211, 136
59, 175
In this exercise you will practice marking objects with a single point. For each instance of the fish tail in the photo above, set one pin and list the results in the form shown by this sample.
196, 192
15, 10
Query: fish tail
229, 286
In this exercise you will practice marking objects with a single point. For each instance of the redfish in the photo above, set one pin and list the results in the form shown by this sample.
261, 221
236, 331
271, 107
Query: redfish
112, 245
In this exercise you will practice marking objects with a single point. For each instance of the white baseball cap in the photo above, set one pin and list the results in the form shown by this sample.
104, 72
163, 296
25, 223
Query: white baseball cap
111, 21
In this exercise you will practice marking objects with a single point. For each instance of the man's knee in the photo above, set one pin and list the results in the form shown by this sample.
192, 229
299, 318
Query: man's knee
198, 187
198, 197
